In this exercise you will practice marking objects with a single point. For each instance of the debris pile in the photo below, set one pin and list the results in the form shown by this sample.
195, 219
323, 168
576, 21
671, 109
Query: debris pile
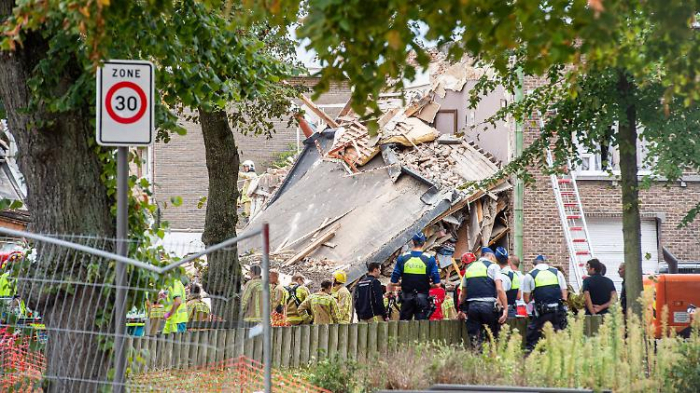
317, 232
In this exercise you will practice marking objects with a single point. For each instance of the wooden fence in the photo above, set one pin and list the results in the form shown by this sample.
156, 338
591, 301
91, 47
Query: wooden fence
299, 345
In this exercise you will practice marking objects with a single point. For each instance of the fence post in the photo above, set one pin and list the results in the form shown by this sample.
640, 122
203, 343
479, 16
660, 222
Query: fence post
343, 334
121, 282
267, 350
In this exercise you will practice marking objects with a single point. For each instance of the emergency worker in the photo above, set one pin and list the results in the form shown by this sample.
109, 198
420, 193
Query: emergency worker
342, 296
511, 281
197, 309
483, 299
416, 270
297, 292
245, 176
369, 296
320, 307
176, 308
547, 287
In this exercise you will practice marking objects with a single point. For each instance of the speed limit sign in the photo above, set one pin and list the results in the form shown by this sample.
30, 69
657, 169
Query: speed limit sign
125, 103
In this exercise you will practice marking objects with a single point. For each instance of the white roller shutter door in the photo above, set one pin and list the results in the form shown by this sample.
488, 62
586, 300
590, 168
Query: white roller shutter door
608, 246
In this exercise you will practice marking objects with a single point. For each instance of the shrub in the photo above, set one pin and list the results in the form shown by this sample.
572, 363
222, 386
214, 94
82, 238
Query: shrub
335, 375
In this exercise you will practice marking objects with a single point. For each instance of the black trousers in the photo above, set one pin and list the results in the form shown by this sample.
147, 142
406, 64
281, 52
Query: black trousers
480, 315
534, 328
414, 305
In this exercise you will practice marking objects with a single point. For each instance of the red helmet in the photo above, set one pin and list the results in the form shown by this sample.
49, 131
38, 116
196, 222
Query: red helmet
468, 257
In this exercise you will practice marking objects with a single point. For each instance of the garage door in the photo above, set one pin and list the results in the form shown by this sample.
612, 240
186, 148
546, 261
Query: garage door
606, 239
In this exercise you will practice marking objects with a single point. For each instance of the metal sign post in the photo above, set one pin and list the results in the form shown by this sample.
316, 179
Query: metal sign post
125, 91
267, 329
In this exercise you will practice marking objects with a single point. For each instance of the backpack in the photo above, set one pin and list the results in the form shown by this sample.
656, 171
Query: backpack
292, 291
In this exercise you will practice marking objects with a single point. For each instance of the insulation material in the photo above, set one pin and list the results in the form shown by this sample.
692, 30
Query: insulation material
489, 211
411, 132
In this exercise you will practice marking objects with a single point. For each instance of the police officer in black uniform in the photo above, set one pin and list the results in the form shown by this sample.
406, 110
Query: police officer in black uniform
547, 287
483, 299
416, 270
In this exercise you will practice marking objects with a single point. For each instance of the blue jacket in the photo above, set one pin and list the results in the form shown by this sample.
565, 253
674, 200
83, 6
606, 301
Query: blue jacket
417, 282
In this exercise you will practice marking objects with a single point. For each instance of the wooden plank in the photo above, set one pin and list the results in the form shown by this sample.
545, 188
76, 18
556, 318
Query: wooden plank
276, 346
160, 351
393, 335
403, 337
190, 349
313, 344
182, 357
221, 345
202, 347
247, 344
434, 331
230, 345
372, 331
168, 351
414, 331
213, 348
135, 360
333, 341
320, 113
383, 338
258, 348
305, 352
343, 342
362, 345
175, 359
313, 246
286, 346
424, 331
296, 350
239, 343
352, 341
323, 341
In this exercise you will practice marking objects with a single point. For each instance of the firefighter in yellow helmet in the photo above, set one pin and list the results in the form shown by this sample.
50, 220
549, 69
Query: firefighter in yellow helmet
342, 296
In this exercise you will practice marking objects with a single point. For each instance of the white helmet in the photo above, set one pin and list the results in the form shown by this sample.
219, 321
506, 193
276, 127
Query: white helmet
249, 163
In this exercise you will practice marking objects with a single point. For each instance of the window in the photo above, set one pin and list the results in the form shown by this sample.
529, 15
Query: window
595, 164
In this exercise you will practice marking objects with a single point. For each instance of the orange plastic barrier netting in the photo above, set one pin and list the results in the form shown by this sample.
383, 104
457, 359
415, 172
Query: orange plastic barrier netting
233, 375
21, 368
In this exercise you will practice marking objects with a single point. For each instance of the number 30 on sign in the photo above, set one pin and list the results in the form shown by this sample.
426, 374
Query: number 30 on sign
125, 103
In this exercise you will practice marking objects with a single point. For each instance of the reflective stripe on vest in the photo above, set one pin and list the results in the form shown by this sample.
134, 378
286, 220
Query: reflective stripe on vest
544, 278
479, 284
415, 265
512, 293
546, 285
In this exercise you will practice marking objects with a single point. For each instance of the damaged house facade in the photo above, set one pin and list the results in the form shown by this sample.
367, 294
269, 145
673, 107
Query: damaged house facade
351, 199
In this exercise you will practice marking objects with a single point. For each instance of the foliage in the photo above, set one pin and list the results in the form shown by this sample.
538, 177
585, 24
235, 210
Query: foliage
686, 375
284, 158
334, 375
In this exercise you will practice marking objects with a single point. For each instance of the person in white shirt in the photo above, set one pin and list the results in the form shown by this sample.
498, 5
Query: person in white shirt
547, 287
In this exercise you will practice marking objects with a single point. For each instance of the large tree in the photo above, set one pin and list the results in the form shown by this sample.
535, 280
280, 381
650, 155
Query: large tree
638, 42
48, 56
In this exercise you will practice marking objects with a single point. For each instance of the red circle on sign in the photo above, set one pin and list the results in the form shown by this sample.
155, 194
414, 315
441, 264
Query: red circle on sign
126, 85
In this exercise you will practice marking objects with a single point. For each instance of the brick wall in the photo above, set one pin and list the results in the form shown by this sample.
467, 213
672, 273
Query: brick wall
180, 168
542, 227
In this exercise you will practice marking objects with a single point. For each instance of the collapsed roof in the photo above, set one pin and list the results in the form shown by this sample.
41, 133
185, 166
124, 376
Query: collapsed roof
351, 198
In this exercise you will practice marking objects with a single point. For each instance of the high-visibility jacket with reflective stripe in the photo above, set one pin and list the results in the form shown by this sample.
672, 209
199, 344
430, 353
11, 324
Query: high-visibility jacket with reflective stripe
320, 306
344, 299
547, 288
479, 284
512, 293
301, 292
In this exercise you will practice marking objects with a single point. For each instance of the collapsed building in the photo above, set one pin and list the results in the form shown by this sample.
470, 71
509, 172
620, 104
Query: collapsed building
351, 198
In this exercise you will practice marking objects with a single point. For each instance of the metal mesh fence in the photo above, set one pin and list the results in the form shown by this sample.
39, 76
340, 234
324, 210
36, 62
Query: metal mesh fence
184, 330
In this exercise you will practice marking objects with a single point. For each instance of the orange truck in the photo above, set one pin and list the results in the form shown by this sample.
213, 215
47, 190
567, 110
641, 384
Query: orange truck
677, 292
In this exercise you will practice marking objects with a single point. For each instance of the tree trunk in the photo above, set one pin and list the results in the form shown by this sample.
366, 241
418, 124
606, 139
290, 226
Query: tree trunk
631, 223
65, 196
223, 277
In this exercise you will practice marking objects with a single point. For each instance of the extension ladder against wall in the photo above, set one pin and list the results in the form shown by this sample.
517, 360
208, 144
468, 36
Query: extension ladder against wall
573, 221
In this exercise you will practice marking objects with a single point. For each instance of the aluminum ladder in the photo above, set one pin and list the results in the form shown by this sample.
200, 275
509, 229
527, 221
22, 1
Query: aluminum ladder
573, 221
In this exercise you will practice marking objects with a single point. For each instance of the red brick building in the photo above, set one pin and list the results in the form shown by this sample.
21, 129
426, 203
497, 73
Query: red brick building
663, 206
